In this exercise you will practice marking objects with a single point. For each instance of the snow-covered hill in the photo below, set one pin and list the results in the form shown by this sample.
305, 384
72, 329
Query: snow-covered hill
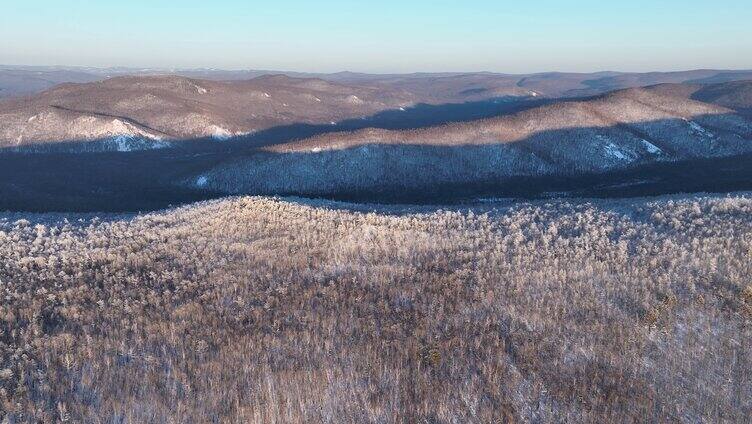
620, 130
172, 107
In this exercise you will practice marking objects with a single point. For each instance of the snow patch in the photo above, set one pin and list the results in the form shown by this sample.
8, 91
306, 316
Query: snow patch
699, 129
317, 99
199, 89
244, 133
402, 109
33, 118
316, 149
651, 148
267, 95
533, 93
122, 143
613, 150
219, 133
128, 130
130, 143
120, 127
354, 99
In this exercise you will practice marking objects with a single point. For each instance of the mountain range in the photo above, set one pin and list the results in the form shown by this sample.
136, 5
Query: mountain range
145, 141
159, 108
623, 129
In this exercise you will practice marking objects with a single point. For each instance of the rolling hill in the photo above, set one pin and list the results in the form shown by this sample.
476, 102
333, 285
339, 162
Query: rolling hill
619, 130
559, 311
469, 86
429, 87
161, 108
666, 138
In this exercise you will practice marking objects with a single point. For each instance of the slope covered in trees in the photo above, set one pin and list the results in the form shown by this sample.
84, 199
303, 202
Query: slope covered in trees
262, 310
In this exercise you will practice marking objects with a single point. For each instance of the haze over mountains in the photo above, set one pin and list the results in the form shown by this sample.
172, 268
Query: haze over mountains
19, 81
24, 80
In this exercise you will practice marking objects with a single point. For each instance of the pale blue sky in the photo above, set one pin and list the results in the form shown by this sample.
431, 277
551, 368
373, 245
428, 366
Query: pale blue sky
381, 36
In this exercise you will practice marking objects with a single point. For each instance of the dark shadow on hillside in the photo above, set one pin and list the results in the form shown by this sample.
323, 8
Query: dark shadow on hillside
737, 94
720, 77
714, 175
103, 181
419, 116
155, 179
548, 161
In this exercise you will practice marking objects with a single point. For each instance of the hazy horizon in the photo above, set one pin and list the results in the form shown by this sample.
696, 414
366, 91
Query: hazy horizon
405, 72
391, 37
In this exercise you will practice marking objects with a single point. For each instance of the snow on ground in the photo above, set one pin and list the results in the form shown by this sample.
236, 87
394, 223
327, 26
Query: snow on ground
651, 148
613, 150
267, 95
200, 90
122, 143
317, 99
33, 118
699, 129
120, 128
244, 133
402, 109
218, 133
126, 129
130, 143
354, 99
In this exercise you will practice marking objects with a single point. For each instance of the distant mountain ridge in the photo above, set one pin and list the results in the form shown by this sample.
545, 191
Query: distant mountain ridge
26, 80
20, 82
621, 107
145, 110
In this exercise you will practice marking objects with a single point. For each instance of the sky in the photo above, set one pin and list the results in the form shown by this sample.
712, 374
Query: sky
380, 36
